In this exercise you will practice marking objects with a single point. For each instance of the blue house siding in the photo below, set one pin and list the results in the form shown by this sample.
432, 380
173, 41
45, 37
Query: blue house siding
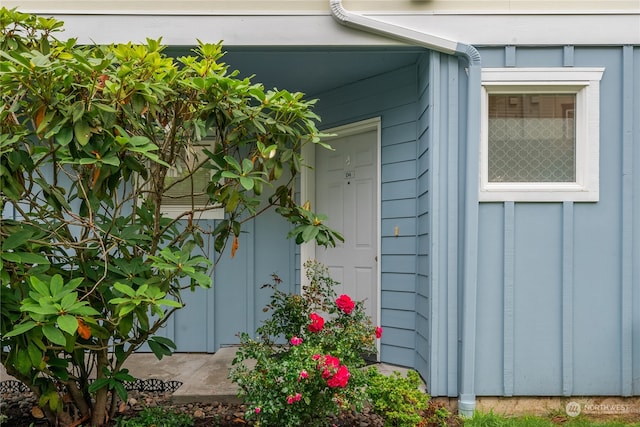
631, 221
441, 195
213, 317
423, 288
558, 283
391, 96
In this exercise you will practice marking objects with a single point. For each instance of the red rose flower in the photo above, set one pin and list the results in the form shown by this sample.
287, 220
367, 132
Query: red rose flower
340, 379
378, 332
331, 362
317, 323
326, 373
295, 341
345, 303
328, 365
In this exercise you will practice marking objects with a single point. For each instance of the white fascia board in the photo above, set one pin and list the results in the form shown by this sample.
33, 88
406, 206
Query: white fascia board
528, 29
322, 30
233, 30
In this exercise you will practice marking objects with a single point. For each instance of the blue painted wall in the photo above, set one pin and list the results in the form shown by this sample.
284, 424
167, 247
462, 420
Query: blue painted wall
440, 219
558, 309
213, 317
559, 283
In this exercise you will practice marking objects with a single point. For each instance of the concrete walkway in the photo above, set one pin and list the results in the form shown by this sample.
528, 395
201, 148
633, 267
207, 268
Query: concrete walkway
203, 376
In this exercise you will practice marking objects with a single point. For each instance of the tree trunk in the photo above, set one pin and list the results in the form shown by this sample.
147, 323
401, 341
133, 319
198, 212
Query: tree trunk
78, 398
99, 415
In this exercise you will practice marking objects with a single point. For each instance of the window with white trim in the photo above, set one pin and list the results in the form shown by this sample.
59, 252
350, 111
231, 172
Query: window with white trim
186, 184
540, 134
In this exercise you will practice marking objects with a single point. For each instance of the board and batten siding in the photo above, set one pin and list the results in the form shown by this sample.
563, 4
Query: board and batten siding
559, 283
391, 96
212, 318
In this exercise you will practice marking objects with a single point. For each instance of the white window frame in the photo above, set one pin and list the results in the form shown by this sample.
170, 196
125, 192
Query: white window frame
585, 84
173, 211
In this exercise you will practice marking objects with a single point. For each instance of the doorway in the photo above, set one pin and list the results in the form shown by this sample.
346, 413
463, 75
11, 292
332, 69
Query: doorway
345, 185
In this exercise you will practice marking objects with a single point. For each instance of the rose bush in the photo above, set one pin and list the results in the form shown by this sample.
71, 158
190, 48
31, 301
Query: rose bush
307, 356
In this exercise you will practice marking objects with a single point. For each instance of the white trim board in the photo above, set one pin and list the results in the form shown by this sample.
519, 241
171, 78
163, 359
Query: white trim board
321, 30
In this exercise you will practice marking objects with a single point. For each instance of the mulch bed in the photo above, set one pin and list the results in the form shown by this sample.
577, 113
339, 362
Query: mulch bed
18, 407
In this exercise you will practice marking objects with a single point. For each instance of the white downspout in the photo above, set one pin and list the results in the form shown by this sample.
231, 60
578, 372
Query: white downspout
467, 397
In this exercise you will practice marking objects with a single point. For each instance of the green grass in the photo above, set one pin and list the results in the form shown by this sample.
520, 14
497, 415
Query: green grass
493, 420
156, 416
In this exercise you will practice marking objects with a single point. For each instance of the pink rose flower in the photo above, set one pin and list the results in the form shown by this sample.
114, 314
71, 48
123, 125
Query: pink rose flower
378, 332
295, 340
316, 356
345, 303
258, 410
291, 399
317, 323
303, 375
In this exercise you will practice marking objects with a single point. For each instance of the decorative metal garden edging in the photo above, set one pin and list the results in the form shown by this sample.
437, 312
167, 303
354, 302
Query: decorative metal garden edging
149, 385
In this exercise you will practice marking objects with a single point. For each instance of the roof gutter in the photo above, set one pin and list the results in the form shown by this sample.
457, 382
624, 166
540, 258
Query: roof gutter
467, 397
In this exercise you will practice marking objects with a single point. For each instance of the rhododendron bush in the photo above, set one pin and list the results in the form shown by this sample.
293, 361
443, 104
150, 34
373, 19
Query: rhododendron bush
95, 142
307, 355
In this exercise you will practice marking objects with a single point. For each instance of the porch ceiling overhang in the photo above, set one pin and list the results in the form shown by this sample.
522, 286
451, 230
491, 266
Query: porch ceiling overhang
317, 70
309, 54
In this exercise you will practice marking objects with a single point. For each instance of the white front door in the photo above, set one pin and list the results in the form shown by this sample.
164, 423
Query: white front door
346, 189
